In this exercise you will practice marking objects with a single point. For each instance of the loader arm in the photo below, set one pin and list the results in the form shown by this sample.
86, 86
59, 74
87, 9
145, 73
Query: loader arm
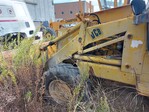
68, 44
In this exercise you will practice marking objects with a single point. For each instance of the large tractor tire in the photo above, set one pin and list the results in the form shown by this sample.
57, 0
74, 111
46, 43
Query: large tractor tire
51, 31
10, 41
60, 82
48, 33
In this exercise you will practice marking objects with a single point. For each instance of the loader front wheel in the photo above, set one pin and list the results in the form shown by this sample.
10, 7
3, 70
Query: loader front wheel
60, 82
60, 91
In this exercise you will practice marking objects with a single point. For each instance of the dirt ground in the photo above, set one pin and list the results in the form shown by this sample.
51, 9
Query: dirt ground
117, 98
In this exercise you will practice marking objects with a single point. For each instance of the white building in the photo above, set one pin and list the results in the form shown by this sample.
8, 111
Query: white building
40, 10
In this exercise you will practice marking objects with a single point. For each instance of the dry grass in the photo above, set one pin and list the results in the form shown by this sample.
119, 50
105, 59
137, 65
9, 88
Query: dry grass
26, 72
20, 88
108, 96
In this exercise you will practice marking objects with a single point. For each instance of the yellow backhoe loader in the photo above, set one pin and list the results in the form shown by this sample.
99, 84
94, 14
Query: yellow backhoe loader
112, 44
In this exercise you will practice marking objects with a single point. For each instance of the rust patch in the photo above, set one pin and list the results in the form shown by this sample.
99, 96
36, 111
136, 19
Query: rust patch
91, 71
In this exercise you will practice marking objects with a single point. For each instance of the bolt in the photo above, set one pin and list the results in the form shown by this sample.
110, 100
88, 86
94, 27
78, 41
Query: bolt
130, 36
127, 66
80, 40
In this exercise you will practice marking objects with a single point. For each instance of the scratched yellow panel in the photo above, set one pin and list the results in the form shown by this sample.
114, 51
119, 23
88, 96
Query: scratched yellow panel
134, 49
107, 72
143, 89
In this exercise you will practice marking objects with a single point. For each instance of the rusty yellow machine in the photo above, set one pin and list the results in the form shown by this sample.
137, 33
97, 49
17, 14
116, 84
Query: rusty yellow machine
111, 44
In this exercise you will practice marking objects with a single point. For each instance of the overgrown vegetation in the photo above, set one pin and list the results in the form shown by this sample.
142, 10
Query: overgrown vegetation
20, 72
21, 89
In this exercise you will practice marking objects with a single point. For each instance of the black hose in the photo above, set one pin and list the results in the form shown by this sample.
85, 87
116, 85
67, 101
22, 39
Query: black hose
98, 19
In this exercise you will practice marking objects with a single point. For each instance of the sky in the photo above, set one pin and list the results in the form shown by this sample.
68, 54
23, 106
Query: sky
94, 2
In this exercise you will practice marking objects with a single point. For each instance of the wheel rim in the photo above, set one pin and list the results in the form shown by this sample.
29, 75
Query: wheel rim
48, 36
60, 91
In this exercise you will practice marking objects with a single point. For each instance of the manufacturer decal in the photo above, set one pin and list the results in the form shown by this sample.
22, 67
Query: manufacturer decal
95, 33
